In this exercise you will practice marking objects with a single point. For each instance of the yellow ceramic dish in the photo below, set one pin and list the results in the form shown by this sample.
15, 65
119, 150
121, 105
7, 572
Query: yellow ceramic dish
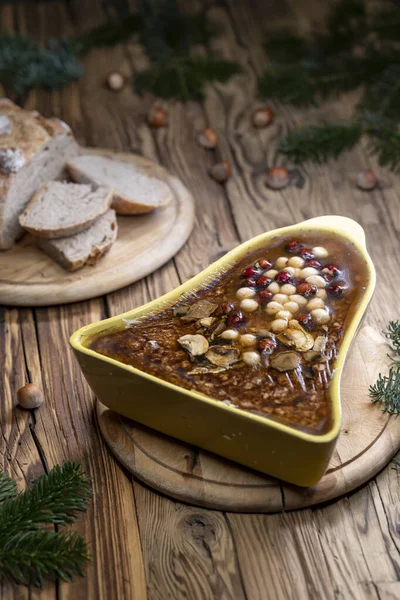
255, 441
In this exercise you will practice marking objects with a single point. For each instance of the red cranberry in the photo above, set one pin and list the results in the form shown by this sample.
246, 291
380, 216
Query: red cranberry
283, 277
335, 290
250, 272
306, 289
265, 296
327, 276
333, 269
263, 281
234, 319
300, 281
265, 264
294, 247
315, 264
225, 308
249, 282
306, 321
266, 345
306, 254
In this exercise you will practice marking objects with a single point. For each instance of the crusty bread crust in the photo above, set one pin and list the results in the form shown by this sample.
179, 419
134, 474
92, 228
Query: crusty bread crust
121, 204
30, 134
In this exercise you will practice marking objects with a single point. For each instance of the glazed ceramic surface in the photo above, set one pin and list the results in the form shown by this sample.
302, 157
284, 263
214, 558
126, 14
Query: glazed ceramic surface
255, 441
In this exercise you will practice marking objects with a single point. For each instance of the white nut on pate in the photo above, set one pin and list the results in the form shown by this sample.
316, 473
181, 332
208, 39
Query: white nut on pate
296, 261
247, 340
273, 307
249, 305
281, 262
245, 292
281, 298
320, 316
251, 358
229, 334
274, 287
279, 325
320, 252
288, 289
316, 280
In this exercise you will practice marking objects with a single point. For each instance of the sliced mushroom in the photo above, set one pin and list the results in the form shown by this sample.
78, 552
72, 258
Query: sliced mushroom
318, 348
181, 310
205, 370
218, 329
206, 322
199, 310
223, 356
196, 345
297, 338
285, 361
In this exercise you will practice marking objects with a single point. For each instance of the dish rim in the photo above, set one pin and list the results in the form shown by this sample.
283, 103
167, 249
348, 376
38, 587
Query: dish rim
338, 225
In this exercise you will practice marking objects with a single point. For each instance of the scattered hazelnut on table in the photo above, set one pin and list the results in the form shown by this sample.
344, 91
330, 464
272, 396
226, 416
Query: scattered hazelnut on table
158, 117
366, 180
30, 396
262, 117
115, 81
277, 178
208, 138
221, 171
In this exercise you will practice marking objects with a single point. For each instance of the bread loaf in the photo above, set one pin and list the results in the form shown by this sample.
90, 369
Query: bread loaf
32, 150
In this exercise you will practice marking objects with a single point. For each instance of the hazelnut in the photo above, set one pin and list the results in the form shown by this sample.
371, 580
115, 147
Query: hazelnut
221, 171
208, 138
115, 81
158, 117
277, 178
30, 396
366, 180
262, 117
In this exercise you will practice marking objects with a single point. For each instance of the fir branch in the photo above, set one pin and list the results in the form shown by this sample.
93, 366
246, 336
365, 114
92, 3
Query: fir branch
54, 498
28, 552
8, 487
393, 334
396, 466
387, 391
24, 65
318, 143
109, 34
29, 557
184, 79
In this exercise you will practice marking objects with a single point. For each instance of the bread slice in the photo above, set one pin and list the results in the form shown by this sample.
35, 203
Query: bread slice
61, 209
135, 191
86, 247
32, 150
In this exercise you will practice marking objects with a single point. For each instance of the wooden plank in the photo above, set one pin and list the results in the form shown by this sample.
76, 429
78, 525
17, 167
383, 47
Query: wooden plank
187, 551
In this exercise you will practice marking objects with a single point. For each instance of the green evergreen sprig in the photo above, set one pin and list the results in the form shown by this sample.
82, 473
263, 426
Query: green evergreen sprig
28, 552
386, 389
358, 49
168, 38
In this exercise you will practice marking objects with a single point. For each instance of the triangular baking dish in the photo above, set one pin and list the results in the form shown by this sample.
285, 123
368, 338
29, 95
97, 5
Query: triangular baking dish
244, 359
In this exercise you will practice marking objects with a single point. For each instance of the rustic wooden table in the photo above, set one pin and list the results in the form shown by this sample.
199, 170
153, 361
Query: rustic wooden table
144, 544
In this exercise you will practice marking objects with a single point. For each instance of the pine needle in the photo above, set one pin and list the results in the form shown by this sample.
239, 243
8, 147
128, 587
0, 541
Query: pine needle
184, 79
31, 556
8, 487
28, 552
53, 498
386, 389
318, 143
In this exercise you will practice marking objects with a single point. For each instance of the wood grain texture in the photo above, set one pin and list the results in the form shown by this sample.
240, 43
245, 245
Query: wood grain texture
348, 549
28, 277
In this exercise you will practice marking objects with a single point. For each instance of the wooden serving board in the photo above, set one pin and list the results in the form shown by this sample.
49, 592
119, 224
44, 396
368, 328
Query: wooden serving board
28, 277
369, 439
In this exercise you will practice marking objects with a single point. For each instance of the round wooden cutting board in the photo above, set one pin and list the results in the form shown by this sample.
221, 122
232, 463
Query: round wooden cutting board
28, 277
369, 439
